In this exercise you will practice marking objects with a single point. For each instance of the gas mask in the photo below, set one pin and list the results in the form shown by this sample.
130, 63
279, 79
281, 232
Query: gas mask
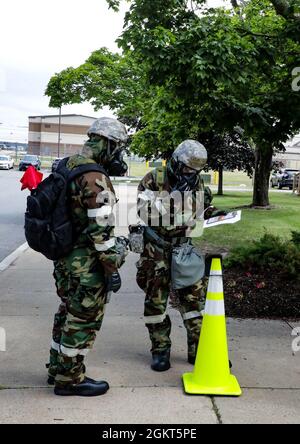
116, 165
182, 178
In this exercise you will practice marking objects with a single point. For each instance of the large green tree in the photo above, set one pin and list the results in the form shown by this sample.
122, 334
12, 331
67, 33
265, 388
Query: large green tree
186, 71
216, 69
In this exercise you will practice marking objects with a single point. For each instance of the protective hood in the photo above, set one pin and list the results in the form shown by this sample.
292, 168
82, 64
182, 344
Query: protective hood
96, 150
107, 154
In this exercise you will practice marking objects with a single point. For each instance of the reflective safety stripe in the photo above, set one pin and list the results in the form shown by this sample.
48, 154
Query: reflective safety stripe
215, 308
215, 288
147, 195
103, 212
191, 315
55, 346
106, 245
72, 352
215, 273
161, 209
155, 319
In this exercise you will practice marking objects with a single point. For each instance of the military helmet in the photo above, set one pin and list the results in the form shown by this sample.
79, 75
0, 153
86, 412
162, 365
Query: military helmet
110, 128
192, 154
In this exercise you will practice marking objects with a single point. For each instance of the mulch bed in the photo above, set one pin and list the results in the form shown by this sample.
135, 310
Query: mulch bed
257, 294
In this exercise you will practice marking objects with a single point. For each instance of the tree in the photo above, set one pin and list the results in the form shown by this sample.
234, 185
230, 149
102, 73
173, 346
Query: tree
217, 70
289, 10
228, 152
187, 71
105, 79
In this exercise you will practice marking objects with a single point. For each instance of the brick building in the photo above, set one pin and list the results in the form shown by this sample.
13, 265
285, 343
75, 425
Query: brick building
44, 130
291, 157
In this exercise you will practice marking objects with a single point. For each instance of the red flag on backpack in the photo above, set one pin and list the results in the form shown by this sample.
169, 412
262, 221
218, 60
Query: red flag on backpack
31, 179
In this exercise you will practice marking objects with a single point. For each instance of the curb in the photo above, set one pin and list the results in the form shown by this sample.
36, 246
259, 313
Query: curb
13, 256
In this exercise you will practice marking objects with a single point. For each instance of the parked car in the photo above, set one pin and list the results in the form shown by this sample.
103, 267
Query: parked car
29, 160
284, 178
6, 163
55, 164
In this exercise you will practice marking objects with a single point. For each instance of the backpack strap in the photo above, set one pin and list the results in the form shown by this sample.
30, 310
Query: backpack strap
88, 168
160, 176
70, 175
62, 168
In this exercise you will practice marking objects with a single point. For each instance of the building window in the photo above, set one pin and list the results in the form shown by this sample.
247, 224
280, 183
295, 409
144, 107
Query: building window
47, 125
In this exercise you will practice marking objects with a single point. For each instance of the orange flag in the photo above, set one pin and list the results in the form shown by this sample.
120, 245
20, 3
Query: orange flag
31, 179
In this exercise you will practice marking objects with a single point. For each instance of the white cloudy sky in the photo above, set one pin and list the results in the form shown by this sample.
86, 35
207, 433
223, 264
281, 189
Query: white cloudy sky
42, 37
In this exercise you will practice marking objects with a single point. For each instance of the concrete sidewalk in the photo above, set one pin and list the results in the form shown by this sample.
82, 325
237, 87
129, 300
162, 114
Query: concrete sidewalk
260, 350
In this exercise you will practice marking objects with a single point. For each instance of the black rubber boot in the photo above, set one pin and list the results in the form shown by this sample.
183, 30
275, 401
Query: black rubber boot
88, 387
191, 359
51, 380
161, 361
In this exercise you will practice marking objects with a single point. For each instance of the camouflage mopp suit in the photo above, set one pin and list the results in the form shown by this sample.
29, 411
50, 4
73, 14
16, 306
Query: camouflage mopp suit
80, 277
154, 274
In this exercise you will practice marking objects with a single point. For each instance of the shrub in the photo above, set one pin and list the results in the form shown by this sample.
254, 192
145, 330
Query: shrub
296, 238
271, 254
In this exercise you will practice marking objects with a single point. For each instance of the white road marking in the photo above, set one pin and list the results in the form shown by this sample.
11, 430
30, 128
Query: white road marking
13, 256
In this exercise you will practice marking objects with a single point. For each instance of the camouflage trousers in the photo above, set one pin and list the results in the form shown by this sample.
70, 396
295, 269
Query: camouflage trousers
80, 285
154, 278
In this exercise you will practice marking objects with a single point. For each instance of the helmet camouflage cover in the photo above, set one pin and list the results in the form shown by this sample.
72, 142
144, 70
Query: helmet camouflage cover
192, 154
110, 128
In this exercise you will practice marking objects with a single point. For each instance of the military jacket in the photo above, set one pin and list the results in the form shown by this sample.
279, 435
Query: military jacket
154, 184
91, 199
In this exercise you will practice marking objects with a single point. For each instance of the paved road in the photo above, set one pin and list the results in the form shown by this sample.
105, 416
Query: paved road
12, 208
12, 204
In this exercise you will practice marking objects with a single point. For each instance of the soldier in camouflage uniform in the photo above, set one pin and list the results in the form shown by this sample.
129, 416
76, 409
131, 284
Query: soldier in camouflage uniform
86, 276
154, 267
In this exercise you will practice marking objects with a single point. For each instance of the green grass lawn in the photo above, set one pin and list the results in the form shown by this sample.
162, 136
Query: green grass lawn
281, 220
138, 169
236, 178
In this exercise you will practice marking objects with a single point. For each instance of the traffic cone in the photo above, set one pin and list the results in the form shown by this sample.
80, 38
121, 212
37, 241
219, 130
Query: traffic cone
211, 375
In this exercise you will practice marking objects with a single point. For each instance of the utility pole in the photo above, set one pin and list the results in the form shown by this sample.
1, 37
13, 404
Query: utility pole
59, 131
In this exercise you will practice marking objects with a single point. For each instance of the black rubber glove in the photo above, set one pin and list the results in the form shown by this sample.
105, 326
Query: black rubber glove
113, 282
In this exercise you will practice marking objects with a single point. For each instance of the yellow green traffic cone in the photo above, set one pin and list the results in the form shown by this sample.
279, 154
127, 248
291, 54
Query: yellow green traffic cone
211, 375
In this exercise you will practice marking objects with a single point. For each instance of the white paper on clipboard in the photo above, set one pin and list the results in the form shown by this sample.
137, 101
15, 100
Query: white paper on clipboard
230, 218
